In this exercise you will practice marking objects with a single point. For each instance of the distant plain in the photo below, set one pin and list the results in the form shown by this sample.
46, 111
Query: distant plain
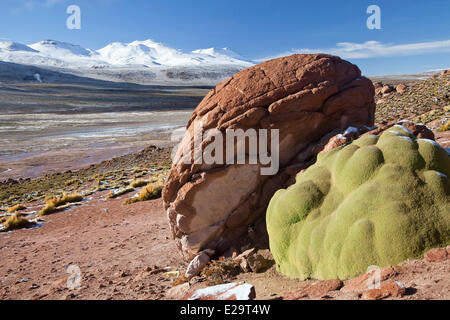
58, 126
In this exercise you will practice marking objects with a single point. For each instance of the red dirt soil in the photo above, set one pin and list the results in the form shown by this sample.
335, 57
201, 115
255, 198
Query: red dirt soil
111, 243
120, 250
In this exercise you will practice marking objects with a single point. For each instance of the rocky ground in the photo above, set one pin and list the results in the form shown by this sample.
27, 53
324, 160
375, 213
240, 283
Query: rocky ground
111, 174
123, 251
426, 102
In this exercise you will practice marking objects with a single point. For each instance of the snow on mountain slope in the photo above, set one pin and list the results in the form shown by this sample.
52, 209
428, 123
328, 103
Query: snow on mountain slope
47, 53
223, 53
15, 46
150, 53
148, 59
58, 49
135, 53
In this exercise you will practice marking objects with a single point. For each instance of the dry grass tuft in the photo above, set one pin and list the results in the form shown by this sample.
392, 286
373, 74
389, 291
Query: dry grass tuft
151, 191
138, 183
180, 280
17, 207
55, 202
16, 222
445, 127
220, 271
72, 182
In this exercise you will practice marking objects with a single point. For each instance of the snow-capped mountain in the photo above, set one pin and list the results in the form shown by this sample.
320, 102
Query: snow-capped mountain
144, 57
150, 53
58, 49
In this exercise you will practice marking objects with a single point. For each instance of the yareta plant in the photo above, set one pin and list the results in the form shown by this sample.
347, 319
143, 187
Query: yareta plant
377, 201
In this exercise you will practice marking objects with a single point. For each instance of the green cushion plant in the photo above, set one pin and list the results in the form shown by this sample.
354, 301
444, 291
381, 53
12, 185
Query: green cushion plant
377, 201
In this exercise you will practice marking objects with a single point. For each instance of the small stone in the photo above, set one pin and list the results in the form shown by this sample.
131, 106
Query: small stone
373, 294
121, 274
242, 259
315, 291
401, 88
378, 84
419, 130
70, 296
368, 280
196, 265
34, 286
393, 289
258, 263
178, 292
436, 255
387, 89
23, 280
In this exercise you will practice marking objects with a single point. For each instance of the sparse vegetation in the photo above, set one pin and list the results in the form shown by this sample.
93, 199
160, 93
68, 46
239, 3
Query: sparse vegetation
425, 101
118, 193
445, 127
180, 280
17, 207
220, 271
72, 181
139, 183
16, 222
151, 191
112, 174
102, 176
100, 185
54, 204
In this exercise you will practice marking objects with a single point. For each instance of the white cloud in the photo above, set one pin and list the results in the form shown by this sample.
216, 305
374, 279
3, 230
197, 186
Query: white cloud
374, 49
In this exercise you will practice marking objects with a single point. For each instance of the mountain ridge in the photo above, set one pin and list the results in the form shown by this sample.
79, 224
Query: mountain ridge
141, 62
147, 53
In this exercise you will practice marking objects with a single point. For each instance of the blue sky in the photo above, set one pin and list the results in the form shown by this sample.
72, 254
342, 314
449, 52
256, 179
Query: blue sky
415, 35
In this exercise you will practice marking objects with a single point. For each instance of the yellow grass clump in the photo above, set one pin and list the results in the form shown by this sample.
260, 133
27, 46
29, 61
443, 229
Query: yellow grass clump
16, 222
445, 127
54, 203
151, 191
138, 183
72, 181
17, 207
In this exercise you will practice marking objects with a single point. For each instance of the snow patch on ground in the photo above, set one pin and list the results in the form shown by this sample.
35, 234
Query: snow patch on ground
350, 130
241, 291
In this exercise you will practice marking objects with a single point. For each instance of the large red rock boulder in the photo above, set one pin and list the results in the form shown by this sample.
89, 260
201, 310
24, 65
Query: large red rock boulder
305, 97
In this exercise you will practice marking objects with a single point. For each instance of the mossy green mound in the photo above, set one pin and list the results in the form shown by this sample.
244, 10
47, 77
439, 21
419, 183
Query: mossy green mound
377, 201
